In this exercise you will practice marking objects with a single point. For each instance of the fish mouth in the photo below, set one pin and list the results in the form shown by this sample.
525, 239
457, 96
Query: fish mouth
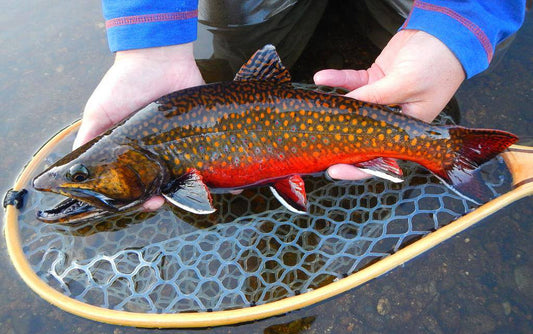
82, 205
91, 197
70, 211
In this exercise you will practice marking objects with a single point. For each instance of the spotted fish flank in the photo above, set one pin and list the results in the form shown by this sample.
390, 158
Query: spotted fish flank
259, 129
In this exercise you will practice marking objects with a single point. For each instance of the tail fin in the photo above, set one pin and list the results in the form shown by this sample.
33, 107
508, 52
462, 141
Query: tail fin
473, 147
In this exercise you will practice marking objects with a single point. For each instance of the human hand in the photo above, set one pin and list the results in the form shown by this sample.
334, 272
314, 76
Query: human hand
137, 78
415, 70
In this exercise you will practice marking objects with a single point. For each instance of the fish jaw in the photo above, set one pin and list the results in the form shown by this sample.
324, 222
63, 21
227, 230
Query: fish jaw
72, 211
80, 205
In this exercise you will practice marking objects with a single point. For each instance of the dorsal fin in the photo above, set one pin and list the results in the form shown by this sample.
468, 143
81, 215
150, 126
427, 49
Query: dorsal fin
264, 65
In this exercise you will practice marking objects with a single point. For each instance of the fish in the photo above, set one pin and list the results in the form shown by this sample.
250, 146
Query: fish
260, 129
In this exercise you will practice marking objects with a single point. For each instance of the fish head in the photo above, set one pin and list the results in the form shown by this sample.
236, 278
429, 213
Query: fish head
98, 180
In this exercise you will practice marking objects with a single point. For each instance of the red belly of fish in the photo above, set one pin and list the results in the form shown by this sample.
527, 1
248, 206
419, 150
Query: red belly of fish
221, 174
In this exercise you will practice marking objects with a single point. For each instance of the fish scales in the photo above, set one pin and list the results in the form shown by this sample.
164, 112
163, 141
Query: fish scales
258, 129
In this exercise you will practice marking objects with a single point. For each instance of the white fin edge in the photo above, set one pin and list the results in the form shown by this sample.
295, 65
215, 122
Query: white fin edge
382, 175
187, 208
284, 202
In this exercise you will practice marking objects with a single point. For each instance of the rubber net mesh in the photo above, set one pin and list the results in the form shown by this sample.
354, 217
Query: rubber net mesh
251, 251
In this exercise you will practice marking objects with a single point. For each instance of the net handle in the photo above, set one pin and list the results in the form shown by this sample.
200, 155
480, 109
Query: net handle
519, 160
523, 188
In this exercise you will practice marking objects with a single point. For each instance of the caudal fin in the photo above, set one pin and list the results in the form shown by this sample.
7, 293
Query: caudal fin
473, 147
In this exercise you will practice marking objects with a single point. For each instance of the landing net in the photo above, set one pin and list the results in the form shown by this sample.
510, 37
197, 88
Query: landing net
250, 252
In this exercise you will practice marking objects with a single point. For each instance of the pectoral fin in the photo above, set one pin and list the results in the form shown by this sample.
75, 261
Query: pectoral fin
386, 168
190, 193
291, 193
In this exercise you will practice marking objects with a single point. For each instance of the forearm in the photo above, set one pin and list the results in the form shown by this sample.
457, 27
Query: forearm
470, 29
137, 24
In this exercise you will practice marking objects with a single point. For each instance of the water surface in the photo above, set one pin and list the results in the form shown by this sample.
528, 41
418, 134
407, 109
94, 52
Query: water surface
54, 54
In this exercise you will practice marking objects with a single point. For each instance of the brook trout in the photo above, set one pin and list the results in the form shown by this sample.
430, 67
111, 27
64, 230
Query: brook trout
259, 129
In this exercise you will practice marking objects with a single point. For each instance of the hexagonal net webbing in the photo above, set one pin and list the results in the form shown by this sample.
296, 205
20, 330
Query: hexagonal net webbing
251, 251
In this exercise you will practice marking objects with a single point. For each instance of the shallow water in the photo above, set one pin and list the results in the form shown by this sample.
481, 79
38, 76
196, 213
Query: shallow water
480, 281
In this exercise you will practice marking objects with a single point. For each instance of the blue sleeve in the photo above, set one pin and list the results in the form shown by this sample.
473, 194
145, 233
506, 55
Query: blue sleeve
471, 29
137, 24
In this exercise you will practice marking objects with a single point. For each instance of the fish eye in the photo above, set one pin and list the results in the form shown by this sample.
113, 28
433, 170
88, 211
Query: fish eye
78, 173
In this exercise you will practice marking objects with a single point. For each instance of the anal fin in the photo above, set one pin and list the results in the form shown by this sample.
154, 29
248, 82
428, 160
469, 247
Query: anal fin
190, 193
385, 168
291, 193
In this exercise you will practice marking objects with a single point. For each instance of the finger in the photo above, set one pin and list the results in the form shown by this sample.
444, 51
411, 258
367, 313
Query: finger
346, 172
88, 130
84, 134
390, 89
349, 79
153, 203
424, 111
91, 126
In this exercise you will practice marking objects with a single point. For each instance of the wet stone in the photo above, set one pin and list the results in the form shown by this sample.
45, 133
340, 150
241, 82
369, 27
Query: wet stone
506, 308
383, 306
431, 325
447, 283
293, 327
478, 323
450, 316
23, 323
523, 277
496, 310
